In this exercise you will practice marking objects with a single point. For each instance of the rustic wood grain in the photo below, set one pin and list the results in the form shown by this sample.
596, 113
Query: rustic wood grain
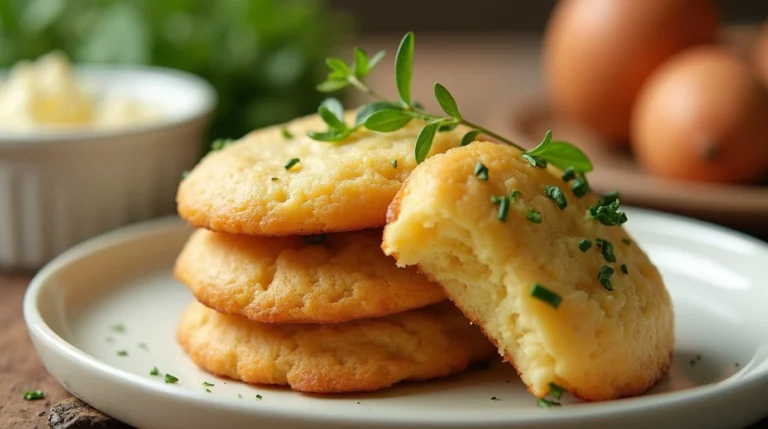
20, 368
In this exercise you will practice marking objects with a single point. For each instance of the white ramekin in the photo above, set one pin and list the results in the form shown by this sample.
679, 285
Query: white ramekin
58, 188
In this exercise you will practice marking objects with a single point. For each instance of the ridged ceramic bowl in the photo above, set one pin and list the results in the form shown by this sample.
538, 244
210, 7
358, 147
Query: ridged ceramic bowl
58, 188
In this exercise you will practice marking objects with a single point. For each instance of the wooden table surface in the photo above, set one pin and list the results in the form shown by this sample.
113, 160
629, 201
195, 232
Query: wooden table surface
21, 369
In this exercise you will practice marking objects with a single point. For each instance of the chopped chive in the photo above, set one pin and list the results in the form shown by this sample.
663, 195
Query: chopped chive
503, 209
535, 160
580, 187
533, 216
513, 196
569, 174
34, 395
605, 275
493, 398
170, 379
291, 163
286, 134
207, 384
609, 198
556, 391
607, 250
143, 346
607, 215
208, 390
240, 395
122, 352
585, 244
394, 163
154, 371
314, 239
496, 199
624, 269
626, 241
259, 396
274, 179
543, 403
119, 327
540, 292
481, 171
555, 194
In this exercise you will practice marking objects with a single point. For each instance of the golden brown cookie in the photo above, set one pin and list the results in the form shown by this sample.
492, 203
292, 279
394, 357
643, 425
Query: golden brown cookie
363, 355
320, 279
596, 343
246, 188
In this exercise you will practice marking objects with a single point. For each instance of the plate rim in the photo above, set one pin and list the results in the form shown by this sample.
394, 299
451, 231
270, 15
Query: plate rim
41, 331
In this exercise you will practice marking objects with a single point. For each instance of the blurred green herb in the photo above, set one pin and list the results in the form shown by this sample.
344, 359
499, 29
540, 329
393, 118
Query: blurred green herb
263, 57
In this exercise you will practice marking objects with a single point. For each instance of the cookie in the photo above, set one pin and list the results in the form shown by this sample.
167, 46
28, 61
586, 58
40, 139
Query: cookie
319, 279
363, 355
529, 281
250, 186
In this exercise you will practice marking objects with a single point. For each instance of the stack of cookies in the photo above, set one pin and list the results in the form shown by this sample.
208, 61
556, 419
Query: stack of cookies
292, 286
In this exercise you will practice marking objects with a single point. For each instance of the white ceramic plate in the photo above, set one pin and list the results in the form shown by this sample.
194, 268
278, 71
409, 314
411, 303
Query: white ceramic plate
718, 379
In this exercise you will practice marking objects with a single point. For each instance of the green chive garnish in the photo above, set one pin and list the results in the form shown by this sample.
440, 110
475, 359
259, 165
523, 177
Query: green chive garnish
493, 398
274, 179
314, 239
555, 194
556, 391
607, 215
624, 269
540, 292
605, 275
513, 196
481, 171
394, 163
569, 174
258, 396
207, 384
535, 160
503, 209
240, 395
154, 371
291, 163
543, 403
119, 327
533, 216
585, 244
580, 187
607, 250
34, 395
626, 241
170, 379
609, 198
286, 134
208, 390
122, 352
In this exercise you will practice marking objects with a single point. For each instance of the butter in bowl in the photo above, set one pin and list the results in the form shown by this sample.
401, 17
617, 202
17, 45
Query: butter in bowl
88, 148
